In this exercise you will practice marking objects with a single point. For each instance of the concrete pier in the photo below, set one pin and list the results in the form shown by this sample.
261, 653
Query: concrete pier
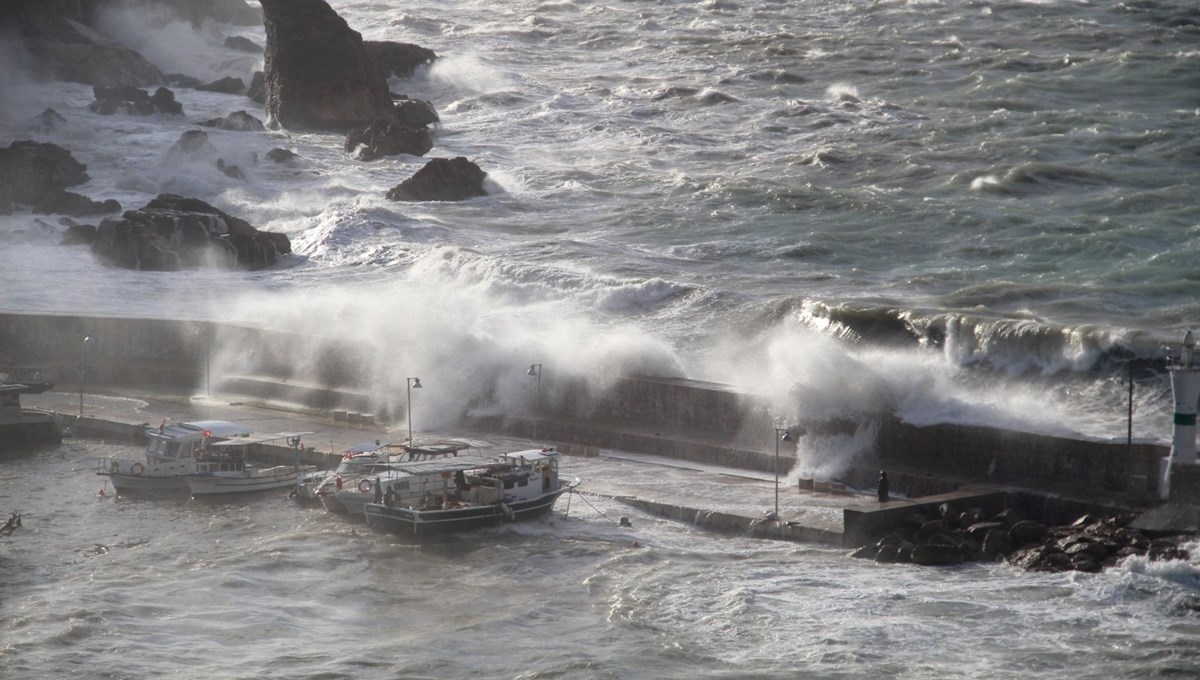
692, 423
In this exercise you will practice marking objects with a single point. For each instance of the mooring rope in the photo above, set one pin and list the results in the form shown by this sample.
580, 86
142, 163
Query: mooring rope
585, 500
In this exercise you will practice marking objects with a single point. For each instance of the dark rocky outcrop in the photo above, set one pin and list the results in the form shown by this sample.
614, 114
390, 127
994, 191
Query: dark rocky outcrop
70, 203
317, 73
385, 138
79, 234
48, 121
172, 233
133, 101
35, 174
414, 113
442, 179
226, 85
278, 155
63, 46
183, 80
257, 91
237, 42
1089, 544
398, 59
238, 120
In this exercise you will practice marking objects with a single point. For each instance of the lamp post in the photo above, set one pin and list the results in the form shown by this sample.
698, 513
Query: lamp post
786, 437
412, 383
87, 340
536, 369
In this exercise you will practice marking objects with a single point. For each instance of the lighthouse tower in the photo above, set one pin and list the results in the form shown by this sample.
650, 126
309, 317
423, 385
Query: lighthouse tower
1185, 384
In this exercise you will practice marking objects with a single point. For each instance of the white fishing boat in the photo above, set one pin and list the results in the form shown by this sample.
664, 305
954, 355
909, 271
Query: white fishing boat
172, 451
452, 496
355, 462
226, 469
350, 491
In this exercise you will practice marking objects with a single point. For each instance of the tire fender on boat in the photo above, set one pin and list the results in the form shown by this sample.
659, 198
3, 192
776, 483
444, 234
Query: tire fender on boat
137, 469
364, 486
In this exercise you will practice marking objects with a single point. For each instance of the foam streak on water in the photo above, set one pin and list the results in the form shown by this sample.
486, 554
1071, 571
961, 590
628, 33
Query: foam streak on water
258, 588
994, 197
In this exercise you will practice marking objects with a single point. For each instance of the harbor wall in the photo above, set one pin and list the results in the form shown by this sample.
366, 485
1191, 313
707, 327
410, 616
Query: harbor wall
679, 418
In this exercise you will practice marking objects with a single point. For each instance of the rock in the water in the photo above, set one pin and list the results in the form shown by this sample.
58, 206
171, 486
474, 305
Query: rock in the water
238, 120
226, 85
318, 74
237, 42
36, 173
172, 233
385, 138
133, 101
278, 155
415, 113
258, 88
79, 234
442, 179
936, 554
398, 59
48, 121
64, 47
70, 203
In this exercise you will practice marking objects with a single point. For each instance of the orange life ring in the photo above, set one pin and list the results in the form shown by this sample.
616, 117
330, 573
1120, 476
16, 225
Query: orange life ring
137, 469
364, 486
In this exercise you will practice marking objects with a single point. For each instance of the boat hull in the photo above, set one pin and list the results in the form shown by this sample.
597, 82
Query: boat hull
216, 483
429, 524
173, 484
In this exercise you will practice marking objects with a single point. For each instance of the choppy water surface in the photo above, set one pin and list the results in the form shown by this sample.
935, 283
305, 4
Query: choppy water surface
122, 588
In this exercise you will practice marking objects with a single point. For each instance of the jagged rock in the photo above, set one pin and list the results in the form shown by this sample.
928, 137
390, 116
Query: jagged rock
1026, 532
182, 80
281, 155
70, 203
133, 101
237, 42
936, 554
64, 47
35, 173
191, 143
79, 234
318, 74
226, 85
442, 179
258, 88
172, 232
396, 58
414, 113
385, 138
980, 529
238, 120
48, 121
230, 170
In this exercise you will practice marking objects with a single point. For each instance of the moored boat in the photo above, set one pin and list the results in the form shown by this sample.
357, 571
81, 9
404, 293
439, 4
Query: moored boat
172, 451
350, 491
225, 469
456, 496
356, 461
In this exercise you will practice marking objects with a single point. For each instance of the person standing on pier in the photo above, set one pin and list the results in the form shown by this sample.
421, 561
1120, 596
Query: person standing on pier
883, 486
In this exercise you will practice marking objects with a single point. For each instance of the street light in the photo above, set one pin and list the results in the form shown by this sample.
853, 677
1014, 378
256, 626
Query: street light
87, 340
787, 437
411, 383
536, 369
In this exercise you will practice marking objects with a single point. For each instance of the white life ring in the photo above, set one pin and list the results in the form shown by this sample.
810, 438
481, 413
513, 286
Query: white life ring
137, 469
364, 486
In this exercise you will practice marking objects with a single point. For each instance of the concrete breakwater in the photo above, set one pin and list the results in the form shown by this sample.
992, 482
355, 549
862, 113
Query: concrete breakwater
676, 418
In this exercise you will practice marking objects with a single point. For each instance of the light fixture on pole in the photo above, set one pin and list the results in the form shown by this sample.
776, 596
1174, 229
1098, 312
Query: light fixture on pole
536, 369
785, 437
87, 340
412, 383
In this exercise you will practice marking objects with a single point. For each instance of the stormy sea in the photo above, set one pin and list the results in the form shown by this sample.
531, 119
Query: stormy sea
975, 212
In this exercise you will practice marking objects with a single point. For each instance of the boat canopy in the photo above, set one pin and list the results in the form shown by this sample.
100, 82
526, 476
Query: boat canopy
531, 456
260, 439
216, 428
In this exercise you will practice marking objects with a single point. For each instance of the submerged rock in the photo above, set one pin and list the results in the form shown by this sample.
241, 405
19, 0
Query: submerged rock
133, 101
238, 120
396, 58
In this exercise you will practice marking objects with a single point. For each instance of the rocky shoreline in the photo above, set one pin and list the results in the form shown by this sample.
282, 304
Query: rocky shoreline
318, 75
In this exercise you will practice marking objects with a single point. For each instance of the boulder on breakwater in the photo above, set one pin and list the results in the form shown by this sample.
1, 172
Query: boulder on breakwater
172, 233
1089, 544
